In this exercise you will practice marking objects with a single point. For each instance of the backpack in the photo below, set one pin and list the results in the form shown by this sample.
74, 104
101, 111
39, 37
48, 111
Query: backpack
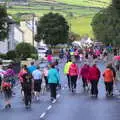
6, 85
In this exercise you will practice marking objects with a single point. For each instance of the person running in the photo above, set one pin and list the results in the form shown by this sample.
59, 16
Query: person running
7, 90
84, 74
23, 71
66, 71
31, 68
45, 73
49, 58
108, 79
73, 74
37, 80
11, 75
94, 75
27, 88
53, 80
112, 68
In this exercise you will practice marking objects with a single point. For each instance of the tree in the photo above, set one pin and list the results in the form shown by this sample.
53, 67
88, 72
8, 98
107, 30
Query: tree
11, 54
106, 26
53, 29
25, 50
3, 23
116, 4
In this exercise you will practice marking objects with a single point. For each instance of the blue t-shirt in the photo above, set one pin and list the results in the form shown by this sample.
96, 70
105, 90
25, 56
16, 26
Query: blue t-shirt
31, 68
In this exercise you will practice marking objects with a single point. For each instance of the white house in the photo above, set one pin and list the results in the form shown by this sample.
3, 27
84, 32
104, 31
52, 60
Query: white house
15, 36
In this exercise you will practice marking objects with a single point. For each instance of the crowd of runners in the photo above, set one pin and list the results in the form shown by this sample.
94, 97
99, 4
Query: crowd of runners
78, 64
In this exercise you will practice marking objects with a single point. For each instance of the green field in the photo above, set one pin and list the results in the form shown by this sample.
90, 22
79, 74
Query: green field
82, 11
90, 3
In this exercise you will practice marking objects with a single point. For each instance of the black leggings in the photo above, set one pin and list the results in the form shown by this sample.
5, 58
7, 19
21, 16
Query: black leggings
53, 90
69, 81
27, 98
94, 87
109, 87
46, 81
85, 84
73, 81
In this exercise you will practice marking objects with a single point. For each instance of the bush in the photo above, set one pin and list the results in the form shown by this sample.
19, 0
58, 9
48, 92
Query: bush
25, 50
34, 56
11, 54
3, 56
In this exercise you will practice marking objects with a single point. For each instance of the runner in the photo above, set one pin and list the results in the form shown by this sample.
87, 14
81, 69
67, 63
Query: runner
27, 88
84, 72
23, 71
94, 75
31, 68
37, 80
109, 80
73, 74
11, 75
49, 58
7, 90
66, 71
53, 80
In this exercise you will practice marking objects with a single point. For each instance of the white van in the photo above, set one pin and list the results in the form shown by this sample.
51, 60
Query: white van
42, 52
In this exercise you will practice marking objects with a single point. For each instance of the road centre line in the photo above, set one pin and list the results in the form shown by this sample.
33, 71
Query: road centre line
42, 115
49, 107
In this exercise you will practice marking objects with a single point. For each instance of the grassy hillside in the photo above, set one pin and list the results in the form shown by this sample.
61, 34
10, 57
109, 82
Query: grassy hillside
82, 11
90, 3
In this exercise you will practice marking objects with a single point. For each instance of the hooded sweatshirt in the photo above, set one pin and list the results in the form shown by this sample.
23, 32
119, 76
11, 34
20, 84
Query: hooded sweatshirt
73, 70
66, 68
85, 71
94, 73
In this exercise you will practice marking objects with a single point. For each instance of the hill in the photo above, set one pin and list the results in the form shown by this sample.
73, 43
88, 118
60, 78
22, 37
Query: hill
78, 13
90, 3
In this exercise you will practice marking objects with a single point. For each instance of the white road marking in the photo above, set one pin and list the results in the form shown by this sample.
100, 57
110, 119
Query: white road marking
42, 115
58, 95
49, 107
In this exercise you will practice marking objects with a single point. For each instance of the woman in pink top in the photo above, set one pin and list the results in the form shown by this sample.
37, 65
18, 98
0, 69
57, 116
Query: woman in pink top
49, 58
73, 73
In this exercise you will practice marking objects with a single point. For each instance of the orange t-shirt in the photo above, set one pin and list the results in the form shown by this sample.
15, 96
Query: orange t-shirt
108, 75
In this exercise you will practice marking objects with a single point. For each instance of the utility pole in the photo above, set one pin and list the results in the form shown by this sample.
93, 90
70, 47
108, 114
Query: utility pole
33, 29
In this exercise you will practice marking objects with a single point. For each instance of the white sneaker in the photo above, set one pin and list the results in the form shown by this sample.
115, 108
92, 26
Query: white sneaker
54, 101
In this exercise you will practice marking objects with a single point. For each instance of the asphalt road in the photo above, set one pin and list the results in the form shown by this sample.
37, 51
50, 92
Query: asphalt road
68, 106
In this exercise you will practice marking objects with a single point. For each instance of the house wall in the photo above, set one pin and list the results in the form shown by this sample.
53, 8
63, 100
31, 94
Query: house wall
18, 35
3, 46
27, 33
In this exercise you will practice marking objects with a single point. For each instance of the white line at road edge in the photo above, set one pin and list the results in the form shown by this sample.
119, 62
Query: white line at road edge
42, 115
